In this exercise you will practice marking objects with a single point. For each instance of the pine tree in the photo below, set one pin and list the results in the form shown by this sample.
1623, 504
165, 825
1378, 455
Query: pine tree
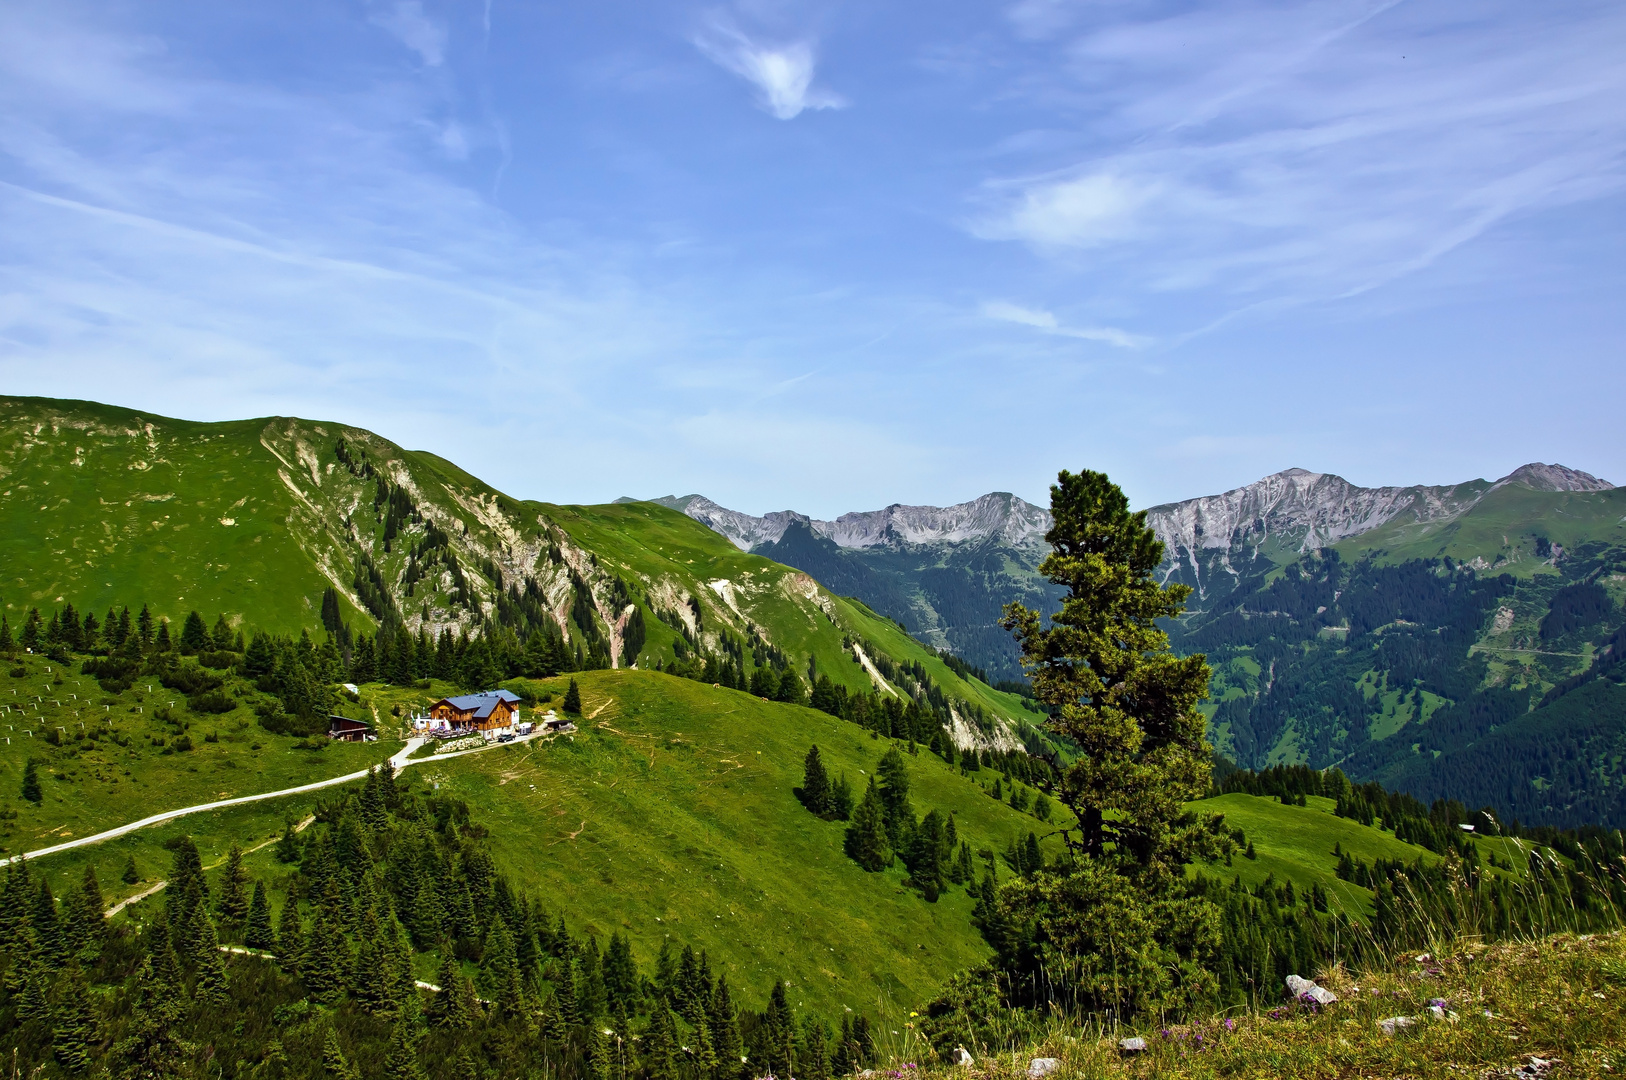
815, 791
573, 698
725, 1032
212, 989
865, 842
661, 1045
446, 1007
194, 637
401, 1063
779, 1033
257, 933
73, 1022
31, 783
47, 927
131, 874
900, 816
150, 1047
601, 1066
290, 937
7, 645
814, 1059
334, 1062
234, 901
1116, 691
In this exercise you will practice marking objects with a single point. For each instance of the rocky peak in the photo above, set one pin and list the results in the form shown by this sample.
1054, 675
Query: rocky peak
1554, 478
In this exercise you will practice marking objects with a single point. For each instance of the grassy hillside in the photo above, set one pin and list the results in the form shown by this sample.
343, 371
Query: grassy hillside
1501, 531
254, 519
118, 758
670, 814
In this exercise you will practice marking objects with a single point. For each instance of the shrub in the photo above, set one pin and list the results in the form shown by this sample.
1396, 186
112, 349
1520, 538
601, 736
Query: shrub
211, 701
182, 743
221, 659
189, 678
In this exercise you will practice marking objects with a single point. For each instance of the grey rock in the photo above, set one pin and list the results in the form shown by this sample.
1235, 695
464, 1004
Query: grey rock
1132, 1045
1299, 987
1042, 1067
1396, 1023
962, 1056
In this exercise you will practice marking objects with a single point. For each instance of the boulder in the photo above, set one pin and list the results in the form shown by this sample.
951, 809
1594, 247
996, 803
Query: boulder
1396, 1023
1300, 988
1133, 1045
962, 1056
1042, 1067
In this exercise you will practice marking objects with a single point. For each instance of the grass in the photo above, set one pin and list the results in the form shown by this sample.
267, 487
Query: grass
671, 815
122, 775
1562, 999
103, 507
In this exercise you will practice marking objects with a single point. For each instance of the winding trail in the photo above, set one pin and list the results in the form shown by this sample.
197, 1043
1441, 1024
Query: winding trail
402, 759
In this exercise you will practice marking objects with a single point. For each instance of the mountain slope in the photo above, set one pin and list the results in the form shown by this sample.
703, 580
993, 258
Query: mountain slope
257, 519
946, 572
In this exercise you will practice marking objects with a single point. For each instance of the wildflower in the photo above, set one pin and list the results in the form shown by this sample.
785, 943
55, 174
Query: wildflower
1230, 1024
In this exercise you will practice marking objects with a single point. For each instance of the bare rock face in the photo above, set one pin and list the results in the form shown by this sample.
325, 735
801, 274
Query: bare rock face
998, 516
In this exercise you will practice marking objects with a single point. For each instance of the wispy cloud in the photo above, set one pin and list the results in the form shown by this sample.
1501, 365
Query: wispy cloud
1039, 319
782, 74
1319, 150
409, 23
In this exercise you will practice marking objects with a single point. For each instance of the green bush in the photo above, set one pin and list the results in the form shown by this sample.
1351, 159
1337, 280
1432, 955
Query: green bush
211, 701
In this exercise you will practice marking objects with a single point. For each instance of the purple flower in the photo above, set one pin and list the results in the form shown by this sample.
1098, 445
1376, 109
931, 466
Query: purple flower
1439, 1003
1230, 1025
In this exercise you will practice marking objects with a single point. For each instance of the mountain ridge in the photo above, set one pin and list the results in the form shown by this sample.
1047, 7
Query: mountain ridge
1304, 496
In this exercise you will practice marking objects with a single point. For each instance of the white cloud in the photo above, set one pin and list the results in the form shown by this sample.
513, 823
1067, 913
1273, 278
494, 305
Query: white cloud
1005, 311
1317, 150
782, 74
416, 30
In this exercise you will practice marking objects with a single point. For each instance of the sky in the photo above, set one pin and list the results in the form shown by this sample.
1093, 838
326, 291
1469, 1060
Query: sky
831, 256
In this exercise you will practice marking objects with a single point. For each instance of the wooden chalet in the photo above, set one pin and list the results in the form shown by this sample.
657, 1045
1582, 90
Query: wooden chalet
477, 712
347, 730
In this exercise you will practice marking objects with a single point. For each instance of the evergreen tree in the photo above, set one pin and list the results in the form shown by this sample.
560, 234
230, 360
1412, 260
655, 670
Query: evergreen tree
290, 937
661, 1045
234, 895
724, 1022
221, 637
866, 836
621, 988
47, 928
257, 933
1119, 929
815, 790
31, 783
131, 874
32, 632
150, 1047
499, 970
401, 1063
287, 846
600, 1063
7, 645
194, 637
74, 1032
212, 989
573, 698
446, 1008
333, 1059
900, 816
814, 1059
779, 1033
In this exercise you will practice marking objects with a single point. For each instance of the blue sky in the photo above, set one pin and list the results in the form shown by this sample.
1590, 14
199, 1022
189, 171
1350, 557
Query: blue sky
832, 256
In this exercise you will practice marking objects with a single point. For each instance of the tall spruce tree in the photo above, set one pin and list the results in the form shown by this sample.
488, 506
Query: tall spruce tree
778, 1033
74, 1032
31, 782
815, 789
865, 842
724, 1022
257, 934
573, 698
1117, 929
234, 895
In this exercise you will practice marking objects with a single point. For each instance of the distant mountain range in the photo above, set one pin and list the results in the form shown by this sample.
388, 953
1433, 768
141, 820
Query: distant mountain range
946, 572
1465, 640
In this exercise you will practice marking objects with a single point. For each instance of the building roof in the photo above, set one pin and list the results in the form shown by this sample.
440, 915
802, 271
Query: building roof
335, 720
481, 705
